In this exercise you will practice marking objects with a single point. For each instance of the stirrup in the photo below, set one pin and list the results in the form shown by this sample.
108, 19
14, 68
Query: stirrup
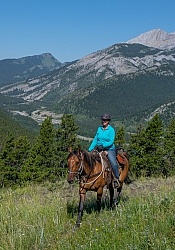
116, 183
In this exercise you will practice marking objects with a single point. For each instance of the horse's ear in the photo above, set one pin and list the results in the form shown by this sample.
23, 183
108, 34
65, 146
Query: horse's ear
70, 149
79, 149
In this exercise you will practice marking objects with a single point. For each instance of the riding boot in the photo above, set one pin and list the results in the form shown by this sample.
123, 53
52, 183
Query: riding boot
116, 182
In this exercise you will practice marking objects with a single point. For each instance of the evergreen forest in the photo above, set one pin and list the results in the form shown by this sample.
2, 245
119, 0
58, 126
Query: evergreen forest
151, 151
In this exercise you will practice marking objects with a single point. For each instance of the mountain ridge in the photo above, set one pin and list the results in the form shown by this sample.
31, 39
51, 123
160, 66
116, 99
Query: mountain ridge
16, 70
118, 59
140, 77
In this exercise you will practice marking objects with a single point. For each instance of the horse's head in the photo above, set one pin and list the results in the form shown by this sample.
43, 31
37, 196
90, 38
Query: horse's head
75, 165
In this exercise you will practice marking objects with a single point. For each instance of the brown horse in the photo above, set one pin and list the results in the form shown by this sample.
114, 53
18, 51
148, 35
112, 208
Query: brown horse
93, 175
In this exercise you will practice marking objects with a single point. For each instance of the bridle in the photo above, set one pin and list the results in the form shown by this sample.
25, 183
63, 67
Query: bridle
79, 171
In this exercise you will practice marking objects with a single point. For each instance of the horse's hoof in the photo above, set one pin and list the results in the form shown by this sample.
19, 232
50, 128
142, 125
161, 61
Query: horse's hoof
77, 226
116, 204
113, 207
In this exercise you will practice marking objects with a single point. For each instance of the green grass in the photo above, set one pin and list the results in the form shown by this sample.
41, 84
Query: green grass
43, 217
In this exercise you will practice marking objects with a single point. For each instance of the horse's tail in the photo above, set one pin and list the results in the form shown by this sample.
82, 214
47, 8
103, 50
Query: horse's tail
123, 160
128, 180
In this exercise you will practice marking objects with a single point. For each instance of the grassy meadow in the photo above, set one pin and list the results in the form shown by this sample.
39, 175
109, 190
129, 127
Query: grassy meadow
42, 217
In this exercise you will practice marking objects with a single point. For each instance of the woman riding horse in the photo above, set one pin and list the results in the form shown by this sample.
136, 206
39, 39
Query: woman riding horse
104, 140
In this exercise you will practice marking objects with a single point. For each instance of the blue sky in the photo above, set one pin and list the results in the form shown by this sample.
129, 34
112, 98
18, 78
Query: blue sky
71, 29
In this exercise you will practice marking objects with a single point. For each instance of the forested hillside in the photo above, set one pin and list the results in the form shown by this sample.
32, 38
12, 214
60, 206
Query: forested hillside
127, 98
123, 96
9, 126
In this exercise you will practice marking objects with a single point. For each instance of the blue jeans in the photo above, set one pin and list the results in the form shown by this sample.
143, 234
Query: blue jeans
113, 161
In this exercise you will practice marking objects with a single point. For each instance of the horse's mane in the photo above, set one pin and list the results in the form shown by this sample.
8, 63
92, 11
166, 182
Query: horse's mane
88, 157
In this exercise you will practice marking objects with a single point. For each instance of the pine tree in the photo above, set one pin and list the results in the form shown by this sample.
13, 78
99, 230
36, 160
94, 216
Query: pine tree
146, 149
153, 148
136, 152
169, 147
120, 138
66, 138
14, 154
21, 151
7, 152
40, 163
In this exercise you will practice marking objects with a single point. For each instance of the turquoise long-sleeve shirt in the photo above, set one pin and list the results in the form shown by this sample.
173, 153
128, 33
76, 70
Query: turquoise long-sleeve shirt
104, 137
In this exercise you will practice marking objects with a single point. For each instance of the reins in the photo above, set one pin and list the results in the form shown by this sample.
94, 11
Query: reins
89, 177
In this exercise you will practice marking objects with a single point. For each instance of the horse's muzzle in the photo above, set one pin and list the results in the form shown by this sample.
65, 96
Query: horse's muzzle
70, 181
70, 178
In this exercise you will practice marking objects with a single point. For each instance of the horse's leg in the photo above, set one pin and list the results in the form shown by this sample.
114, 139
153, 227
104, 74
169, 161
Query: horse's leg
117, 192
116, 197
111, 192
99, 196
80, 209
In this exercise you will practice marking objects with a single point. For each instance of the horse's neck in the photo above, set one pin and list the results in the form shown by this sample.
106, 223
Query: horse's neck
91, 170
87, 170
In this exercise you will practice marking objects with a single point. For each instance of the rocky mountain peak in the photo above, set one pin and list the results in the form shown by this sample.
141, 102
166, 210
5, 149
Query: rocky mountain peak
155, 38
22, 69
